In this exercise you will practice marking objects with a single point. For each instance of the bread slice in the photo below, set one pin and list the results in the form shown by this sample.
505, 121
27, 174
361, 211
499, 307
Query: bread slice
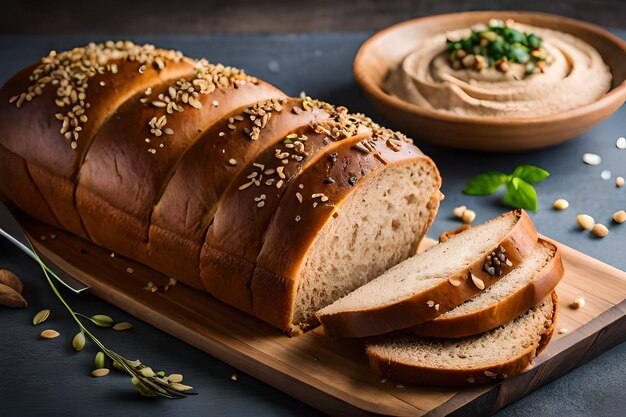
353, 214
497, 354
523, 287
435, 281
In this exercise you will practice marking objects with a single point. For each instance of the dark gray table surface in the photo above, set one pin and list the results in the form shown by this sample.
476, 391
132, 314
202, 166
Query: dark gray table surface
47, 378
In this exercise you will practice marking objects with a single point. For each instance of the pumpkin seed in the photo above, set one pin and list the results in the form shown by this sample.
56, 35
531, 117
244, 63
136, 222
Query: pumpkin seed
99, 360
79, 341
102, 320
147, 372
600, 230
100, 372
49, 334
592, 159
160, 374
585, 221
175, 378
41, 317
122, 326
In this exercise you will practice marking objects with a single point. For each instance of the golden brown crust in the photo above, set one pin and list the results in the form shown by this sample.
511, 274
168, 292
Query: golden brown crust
450, 233
295, 225
21, 190
125, 189
33, 126
183, 214
418, 308
410, 374
506, 310
236, 234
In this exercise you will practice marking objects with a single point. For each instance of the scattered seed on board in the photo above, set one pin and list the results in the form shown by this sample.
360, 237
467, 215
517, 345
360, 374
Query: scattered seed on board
619, 216
458, 211
585, 221
399, 385
124, 325
130, 270
577, 303
560, 204
563, 330
100, 372
491, 374
619, 182
49, 334
621, 143
41, 317
430, 303
605, 175
592, 159
468, 216
233, 377
600, 230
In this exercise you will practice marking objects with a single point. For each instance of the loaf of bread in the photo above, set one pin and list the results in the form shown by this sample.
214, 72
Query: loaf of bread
278, 206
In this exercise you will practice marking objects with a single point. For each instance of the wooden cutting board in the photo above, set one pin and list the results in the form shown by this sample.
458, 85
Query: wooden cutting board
330, 375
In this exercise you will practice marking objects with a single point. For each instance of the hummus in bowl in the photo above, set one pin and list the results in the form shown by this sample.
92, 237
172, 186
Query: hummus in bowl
570, 74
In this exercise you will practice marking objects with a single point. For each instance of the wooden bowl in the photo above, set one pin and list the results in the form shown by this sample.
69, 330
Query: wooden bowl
387, 48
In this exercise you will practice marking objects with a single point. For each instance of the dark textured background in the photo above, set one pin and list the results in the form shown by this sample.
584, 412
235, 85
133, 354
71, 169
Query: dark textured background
246, 16
46, 378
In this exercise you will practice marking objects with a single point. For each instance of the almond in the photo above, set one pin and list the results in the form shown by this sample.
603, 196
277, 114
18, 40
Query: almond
10, 279
11, 298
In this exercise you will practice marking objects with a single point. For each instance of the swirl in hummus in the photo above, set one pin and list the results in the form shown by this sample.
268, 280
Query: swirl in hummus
574, 75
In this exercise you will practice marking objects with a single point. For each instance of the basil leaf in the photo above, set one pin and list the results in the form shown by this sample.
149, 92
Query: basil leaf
486, 183
530, 173
520, 194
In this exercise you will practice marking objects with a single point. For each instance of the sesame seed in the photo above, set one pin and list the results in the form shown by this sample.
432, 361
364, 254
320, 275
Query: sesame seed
232, 161
298, 218
299, 197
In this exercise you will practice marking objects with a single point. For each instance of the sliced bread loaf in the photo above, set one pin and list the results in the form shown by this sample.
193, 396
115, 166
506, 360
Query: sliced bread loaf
522, 288
497, 354
435, 281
